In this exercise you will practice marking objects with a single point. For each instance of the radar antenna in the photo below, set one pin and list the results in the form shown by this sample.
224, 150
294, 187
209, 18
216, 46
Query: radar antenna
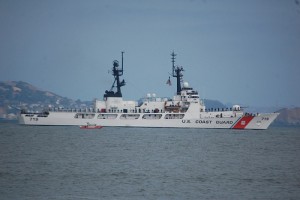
116, 72
177, 73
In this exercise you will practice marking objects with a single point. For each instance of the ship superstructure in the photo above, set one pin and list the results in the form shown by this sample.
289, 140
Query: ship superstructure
184, 110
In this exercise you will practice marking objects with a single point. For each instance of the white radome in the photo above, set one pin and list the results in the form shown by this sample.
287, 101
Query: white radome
185, 84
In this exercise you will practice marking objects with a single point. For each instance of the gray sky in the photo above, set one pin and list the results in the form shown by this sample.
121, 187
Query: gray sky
238, 51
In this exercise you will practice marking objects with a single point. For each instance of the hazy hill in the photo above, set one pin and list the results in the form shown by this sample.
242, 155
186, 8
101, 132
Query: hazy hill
18, 91
288, 116
17, 95
213, 104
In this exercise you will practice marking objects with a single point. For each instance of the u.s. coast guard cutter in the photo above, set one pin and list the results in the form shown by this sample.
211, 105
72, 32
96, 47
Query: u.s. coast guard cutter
184, 110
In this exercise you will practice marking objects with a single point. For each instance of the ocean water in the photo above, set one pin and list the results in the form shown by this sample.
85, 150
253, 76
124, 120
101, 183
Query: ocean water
148, 163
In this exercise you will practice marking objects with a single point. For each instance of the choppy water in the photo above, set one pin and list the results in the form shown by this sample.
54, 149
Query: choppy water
145, 163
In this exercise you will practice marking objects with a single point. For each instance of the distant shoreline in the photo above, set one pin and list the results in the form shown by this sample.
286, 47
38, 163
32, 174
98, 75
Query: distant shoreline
11, 121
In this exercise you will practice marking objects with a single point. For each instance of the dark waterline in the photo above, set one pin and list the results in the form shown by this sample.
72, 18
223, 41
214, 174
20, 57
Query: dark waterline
135, 163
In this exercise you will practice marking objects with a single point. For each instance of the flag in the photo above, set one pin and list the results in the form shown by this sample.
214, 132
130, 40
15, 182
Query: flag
169, 82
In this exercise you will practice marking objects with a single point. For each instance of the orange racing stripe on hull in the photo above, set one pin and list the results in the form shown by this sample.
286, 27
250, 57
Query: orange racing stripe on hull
243, 122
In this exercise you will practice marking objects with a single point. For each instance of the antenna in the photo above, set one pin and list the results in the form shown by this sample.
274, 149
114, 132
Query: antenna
176, 72
122, 61
173, 63
116, 72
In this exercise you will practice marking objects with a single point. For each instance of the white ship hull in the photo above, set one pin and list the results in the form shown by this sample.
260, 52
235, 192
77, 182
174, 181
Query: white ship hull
184, 110
262, 121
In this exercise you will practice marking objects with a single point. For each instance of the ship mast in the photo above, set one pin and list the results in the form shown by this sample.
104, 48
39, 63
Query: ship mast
117, 83
176, 72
